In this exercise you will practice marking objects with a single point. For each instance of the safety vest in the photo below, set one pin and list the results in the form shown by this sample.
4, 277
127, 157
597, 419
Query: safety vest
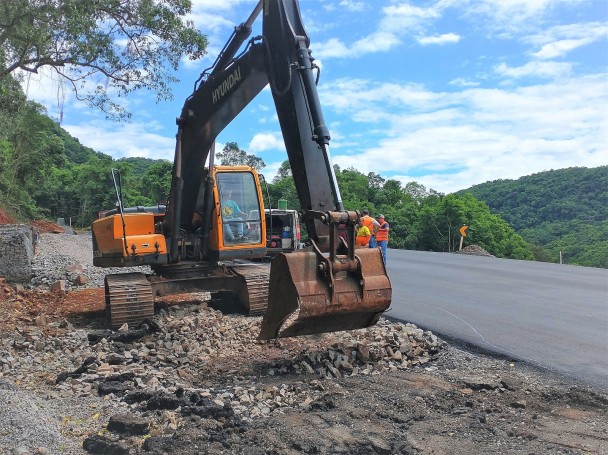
368, 221
382, 233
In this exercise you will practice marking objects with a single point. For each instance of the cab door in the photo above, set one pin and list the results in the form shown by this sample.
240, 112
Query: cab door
239, 209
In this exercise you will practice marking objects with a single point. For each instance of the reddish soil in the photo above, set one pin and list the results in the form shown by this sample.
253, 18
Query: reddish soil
47, 226
24, 306
5, 218
41, 225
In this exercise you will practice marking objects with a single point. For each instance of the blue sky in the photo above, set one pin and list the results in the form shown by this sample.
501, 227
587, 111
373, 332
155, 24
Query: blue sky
448, 93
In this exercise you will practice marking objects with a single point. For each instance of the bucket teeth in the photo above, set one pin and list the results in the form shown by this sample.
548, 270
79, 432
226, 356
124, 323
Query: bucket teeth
303, 301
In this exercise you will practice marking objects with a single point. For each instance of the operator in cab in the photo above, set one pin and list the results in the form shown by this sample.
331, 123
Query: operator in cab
231, 212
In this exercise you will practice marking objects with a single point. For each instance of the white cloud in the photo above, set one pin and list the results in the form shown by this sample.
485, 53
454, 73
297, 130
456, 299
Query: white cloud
559, 48
332, 48
439, 39
266, 141
352, 5
463, 82
510, 17
557, 41
271, 170
376, 42
452, 140
124, 140
536, 69
409, 18
396, 21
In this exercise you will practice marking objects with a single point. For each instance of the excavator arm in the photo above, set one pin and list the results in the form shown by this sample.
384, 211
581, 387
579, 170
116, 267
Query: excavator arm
330, 286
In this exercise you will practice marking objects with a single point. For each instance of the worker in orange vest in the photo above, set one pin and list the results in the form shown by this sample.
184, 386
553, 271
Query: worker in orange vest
372, 225
382, 236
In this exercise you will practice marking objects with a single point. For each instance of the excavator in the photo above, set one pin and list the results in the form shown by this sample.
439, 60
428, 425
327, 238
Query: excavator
213, 226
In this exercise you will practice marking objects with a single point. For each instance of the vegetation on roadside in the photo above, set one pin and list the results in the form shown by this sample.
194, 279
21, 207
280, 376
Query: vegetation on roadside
44, 172
558, 211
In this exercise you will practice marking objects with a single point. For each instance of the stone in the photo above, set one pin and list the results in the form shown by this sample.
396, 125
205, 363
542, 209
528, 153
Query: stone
59, 286
101, 445
81, 280
406, 347
17, 244
75, 268
363, 353
480, 384
511, 384
128, 424
521, 404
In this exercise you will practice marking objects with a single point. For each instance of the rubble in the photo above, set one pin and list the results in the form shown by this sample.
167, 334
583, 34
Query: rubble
475, 250
195, 380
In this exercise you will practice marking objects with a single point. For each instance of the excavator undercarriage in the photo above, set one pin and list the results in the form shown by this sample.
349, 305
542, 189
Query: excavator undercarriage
238, 287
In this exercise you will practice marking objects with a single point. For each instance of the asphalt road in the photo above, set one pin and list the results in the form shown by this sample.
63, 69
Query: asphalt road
554, 316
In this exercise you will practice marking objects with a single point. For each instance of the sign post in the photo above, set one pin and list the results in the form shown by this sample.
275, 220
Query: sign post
463, 233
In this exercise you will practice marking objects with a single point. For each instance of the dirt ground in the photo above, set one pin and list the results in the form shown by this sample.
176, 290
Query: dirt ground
461, 403
464, 403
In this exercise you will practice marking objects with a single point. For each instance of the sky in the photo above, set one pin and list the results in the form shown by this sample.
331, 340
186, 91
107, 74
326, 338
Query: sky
447, 93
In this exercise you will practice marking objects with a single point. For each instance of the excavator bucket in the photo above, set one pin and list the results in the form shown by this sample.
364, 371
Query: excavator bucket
310, 294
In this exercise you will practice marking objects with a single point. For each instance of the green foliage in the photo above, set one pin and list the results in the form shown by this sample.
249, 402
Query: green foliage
355, 189
232, 155
559, 210
156, 181
46, 172
282, 189
579, 242
440, 220
283, 171
113, 46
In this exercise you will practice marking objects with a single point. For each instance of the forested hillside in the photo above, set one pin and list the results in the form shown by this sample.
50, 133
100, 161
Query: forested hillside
44, 172
559, 210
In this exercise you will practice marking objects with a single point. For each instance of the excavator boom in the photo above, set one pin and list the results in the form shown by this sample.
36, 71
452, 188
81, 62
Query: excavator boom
318, 290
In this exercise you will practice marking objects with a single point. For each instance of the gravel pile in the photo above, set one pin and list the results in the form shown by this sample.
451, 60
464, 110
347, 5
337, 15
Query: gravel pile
475, 250
69, 258
62, 385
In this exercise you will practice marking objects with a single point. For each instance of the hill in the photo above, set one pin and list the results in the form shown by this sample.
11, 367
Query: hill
561, 210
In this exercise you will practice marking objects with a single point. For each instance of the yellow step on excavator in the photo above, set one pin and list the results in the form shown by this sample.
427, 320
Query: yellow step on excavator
213, 224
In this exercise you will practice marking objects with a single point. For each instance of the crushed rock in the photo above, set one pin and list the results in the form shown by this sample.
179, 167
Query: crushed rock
196, 363
474, 250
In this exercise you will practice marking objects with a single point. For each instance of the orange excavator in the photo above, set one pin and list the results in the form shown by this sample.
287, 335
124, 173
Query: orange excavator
213, 224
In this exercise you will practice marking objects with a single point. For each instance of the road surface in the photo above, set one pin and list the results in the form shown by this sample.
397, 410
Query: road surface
554, 316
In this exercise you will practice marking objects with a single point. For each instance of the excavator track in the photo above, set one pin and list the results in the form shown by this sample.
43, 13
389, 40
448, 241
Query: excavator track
129, 299
257, 279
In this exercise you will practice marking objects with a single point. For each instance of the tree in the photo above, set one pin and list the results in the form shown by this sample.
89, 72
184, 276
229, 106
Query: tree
100, 47
156, 181
440, 219
354, 189
232, 155
283, 171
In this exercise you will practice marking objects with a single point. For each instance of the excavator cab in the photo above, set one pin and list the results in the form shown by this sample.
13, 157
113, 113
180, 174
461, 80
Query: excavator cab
239, 207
